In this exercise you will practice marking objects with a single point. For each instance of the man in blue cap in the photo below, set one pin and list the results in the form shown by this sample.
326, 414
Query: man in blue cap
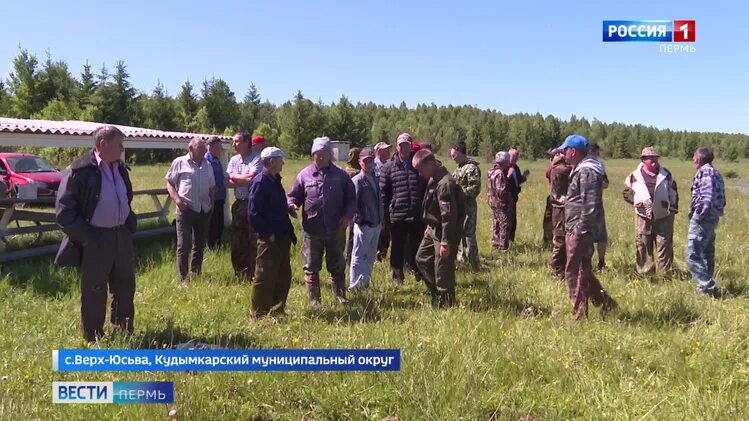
582, 225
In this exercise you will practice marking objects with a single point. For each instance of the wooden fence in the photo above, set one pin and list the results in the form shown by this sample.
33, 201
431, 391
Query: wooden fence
31, 218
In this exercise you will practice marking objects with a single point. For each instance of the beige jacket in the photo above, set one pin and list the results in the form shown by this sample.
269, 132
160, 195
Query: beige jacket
665, 202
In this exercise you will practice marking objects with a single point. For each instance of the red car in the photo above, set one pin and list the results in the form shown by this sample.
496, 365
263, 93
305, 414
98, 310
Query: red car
17, 169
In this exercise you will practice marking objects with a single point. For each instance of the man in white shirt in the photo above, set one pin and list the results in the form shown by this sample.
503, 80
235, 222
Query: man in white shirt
191, 185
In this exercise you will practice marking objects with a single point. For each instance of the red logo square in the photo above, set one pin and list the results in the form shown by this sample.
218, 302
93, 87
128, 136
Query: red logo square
685, 31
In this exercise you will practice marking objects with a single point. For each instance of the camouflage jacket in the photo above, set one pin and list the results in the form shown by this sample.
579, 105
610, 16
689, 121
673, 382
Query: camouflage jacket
559, 182
583, 207
441, 210
498, 190
468, 177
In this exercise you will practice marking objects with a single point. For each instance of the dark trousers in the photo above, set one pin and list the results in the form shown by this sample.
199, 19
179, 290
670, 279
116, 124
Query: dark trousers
272, 277
384, 243
243, 241
192, 231
402, 232
547, 224
558, 247
513, 219
581, 282
107, 261
216, 226
438, 272
332, 246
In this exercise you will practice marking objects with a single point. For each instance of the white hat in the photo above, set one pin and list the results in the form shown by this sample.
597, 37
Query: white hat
319, 144
272, 152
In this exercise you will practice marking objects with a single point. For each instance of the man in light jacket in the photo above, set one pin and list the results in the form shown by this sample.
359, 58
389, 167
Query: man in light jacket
651, 189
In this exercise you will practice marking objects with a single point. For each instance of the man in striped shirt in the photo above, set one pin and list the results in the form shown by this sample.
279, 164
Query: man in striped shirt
708, 202
241, 170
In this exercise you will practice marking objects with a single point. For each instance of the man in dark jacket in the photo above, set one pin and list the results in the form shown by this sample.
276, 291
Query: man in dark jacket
516, 179
269, 215
582, 209
402, 191
93, 210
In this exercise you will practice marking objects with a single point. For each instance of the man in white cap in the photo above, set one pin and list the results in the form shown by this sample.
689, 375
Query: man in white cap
382, 154
327, 196
269, 214
652, 191
402, 192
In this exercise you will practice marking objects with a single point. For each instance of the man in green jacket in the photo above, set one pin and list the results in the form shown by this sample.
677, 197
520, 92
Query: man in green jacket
442, 215
468, 177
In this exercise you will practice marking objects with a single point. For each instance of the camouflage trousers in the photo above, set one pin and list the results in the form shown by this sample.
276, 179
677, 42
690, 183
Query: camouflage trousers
468, 249
501, 225
243, 241
654, 236
582, 284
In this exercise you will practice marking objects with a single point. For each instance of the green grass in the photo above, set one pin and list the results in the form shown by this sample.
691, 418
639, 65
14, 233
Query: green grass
509, 350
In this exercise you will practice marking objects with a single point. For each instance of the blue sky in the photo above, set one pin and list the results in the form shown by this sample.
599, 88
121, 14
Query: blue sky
529, 56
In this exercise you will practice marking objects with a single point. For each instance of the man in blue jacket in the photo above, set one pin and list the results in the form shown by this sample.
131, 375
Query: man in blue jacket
269, 214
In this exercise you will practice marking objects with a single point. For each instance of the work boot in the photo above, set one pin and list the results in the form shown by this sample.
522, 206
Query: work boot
313, 290
448, 299
338, 287
398, 278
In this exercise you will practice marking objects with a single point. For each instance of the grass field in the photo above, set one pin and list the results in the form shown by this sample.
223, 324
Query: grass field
508, 351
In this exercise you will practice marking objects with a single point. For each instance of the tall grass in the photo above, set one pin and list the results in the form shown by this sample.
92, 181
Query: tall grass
508, 351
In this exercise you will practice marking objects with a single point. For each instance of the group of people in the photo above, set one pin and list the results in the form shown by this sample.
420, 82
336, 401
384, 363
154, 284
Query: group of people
408, 203
577, 178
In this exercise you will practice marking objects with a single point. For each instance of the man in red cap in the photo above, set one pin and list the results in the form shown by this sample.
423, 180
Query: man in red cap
241, 170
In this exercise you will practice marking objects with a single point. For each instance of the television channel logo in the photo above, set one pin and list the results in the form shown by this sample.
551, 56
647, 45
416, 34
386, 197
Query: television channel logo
112, 392
649, 31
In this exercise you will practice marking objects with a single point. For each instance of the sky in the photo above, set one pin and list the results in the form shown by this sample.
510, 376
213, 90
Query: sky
522, 56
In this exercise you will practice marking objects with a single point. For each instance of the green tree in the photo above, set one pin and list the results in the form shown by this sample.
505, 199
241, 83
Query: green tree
343, 123
299, 123
159, 110
5, 100
88, 86
56, 82
270, 133
24, 86
187, 109
249, 110
220, 105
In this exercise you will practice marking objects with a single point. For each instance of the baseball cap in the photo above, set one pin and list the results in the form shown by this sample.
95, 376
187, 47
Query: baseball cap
649, 151
272, 152
404, 138
366, 153
258, 139
574, 141
381, 145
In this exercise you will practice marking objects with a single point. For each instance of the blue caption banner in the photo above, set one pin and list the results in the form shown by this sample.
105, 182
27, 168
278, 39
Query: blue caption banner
112, 392
226, 360
637, 31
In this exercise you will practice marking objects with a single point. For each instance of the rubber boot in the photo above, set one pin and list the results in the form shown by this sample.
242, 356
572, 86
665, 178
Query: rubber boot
338, 286
313, 289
